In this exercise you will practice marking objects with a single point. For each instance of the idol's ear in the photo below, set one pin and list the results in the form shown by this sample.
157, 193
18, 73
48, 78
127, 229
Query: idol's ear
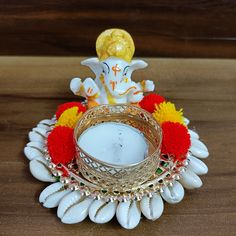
137, 64
94, 64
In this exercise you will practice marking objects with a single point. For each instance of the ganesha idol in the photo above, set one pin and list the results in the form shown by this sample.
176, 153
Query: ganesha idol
113, 69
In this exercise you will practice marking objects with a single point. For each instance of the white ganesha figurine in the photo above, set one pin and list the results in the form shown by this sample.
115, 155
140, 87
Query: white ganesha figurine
113, 69
113, 83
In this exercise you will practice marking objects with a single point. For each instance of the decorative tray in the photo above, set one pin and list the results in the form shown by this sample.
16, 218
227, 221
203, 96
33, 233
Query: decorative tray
115, 151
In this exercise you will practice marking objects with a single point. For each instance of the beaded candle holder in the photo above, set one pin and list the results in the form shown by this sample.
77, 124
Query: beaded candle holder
88, 185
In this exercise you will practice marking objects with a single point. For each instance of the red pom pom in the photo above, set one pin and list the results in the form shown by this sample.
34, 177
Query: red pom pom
61, 145
61, 108
176, 140
149, 101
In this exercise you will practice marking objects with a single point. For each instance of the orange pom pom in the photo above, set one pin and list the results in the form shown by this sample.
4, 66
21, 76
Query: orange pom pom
176, 140
61, 108
149, 101
61, 145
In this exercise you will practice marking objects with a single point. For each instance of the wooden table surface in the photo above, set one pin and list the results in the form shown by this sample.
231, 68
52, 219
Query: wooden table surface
32, 87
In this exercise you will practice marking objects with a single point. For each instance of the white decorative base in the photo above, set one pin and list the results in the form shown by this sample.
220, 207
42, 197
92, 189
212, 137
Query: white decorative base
74, 207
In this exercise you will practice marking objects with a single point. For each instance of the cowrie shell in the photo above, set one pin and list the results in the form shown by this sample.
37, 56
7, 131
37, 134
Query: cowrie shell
193, 134
77, 212
197, 166
173, 194
51, 196
190, 180
40, 171
47, 122
43, 126
128, 214
101, 212
68, 201
37, 135
38, 145
152, 208
198, 149
33, 149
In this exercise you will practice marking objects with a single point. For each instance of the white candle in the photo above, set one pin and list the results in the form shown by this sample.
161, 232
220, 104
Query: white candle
114, 143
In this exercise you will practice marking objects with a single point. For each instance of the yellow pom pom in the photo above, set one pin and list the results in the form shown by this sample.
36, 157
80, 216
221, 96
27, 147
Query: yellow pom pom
166, 112
69, 117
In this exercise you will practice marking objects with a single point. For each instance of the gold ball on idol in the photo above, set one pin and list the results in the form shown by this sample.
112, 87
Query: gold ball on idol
115, 42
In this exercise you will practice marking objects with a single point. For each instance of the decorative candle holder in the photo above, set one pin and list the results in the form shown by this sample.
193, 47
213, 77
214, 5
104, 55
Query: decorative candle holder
84, 185
119, 177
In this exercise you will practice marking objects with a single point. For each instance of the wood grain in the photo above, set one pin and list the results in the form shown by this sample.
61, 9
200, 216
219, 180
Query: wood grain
32, 87
169, 28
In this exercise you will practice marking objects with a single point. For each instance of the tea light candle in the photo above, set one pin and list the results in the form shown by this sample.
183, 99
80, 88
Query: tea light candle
114, 143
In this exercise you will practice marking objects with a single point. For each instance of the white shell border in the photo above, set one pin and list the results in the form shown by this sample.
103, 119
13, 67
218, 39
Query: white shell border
73, 207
